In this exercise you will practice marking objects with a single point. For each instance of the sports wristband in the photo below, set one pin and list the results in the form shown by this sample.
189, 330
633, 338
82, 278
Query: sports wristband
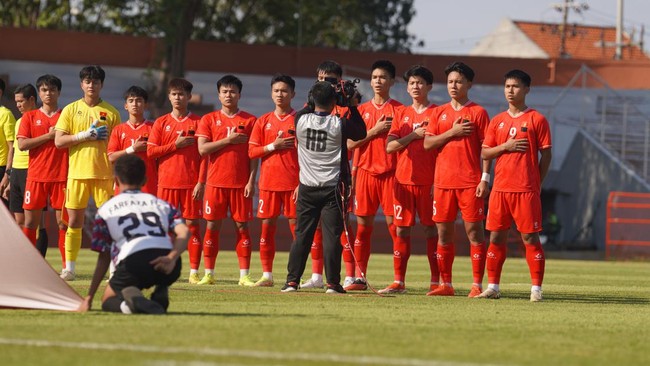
485, 177
130, 150
270, 147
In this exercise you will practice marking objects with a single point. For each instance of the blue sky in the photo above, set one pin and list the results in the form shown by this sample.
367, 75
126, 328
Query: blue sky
455, 29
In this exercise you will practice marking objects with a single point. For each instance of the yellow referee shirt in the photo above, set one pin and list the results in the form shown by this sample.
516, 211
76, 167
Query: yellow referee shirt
88, 159
7, 123
21, 158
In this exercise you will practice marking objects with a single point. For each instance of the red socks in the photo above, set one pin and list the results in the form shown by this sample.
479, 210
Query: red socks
267, 247
536, 262
194, 246
432, 248
317, 252
362, 247
477, 255
210, 249
446, 254
401, 254
61, 244
496, 256
244, 249
348, 258
30, 234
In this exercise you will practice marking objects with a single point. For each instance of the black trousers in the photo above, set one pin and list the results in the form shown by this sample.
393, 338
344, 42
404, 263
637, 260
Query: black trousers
313, 204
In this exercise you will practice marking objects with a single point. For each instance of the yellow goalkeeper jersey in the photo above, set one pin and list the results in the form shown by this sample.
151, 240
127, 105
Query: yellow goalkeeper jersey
21, 158
88, 159
7, 123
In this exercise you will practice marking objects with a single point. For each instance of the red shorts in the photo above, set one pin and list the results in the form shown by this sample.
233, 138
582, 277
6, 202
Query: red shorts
523, 207
37, 193
182, 200
216, 202
272, 201
446, 203
372, 191
409, 200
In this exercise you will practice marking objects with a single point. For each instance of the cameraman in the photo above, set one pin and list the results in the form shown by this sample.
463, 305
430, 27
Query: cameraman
324, 178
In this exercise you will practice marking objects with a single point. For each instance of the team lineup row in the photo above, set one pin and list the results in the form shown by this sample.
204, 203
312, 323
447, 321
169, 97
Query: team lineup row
422, 159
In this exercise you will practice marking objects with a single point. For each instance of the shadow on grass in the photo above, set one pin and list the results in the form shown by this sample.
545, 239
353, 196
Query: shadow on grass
230, 315
582, 298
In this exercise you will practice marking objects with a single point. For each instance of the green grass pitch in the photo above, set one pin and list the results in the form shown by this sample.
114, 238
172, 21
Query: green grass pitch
593, 313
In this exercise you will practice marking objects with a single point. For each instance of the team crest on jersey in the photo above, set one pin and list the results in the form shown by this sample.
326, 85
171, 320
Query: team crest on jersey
123, 135
501, 124
524, 127
218, 122
38, 122
168, 128
443, 117
366, 115
268, 126
406, 119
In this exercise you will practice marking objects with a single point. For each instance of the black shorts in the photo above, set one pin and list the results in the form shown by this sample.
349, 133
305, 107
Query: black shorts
3, 169
135, 270
18, 180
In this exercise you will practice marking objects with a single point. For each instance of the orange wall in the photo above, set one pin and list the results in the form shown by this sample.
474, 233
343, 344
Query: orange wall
117, 50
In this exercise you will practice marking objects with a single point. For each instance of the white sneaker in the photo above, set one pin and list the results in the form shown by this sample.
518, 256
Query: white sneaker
67, 275
536, 296
348, 281
489, 294
311, 283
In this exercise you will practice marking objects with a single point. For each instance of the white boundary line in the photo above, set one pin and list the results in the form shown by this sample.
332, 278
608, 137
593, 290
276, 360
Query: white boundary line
222, 352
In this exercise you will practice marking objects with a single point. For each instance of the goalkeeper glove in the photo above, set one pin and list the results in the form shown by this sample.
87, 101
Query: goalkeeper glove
93, 133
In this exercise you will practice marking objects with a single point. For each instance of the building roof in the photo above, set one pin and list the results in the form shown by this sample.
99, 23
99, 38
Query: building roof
582, 41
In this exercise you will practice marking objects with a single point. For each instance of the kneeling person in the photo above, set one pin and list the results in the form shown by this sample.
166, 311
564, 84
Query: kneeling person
131, 229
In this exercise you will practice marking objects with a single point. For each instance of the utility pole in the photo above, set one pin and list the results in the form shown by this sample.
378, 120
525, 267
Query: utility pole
564, 9
619, 31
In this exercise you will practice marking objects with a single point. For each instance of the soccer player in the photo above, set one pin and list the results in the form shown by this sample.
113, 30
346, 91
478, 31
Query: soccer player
375, 169
131, 229
25, 97
48, 166
131, 137
83, 128
273, 140
223, 137
332, 72
412, 192
181, 170
324, 178
7, 126
520, 141
461, 177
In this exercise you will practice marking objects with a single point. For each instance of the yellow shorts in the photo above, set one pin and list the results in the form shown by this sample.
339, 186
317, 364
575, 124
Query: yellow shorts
78, 192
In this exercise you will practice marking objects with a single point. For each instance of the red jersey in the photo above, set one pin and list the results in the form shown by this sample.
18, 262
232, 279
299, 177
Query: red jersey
415, 166
228, 167
518, 171
279, 169
459, 162
177, 168
372, 156
46, 162
124, 136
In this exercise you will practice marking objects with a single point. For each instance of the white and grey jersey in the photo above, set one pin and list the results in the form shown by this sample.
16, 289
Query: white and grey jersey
320, 143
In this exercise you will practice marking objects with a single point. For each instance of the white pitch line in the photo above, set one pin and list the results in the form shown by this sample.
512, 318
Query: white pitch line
222, 352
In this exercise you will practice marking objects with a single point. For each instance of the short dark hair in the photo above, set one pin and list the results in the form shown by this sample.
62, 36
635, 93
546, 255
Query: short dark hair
180, 84
135, 91
384, 65
330, 67
323, 94
92, 72
230, 80
519, 75
282, 78
421, 71
130, 169
460, 68
27, 90
49, 80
